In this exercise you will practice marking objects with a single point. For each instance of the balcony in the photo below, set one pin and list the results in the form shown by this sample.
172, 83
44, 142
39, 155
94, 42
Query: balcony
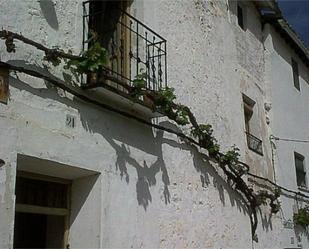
133, 48
254, 144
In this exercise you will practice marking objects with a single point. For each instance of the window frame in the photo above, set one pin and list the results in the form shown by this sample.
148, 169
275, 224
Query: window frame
295, 71
253, 143
300, 157
248, 113
4, 85
248, 105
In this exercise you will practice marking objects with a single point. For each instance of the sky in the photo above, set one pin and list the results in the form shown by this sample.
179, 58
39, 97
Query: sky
297, 14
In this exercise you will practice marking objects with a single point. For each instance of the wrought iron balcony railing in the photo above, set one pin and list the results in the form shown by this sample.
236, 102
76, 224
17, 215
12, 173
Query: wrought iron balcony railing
133, 48
254, 143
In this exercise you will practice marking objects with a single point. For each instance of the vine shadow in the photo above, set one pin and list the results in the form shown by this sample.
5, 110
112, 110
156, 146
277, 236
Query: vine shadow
49, 13
146, 174
150, 142
301, 231
266, 220
48, 92
203, 166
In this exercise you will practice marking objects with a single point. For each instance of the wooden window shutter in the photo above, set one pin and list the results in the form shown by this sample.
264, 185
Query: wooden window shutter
4, 85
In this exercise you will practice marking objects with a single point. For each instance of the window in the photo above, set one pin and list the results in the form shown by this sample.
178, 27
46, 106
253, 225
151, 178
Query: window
133, 49
295, 74
251, 121
107, 24
248, 111
4, 85
300, 170
240, 16
42, 211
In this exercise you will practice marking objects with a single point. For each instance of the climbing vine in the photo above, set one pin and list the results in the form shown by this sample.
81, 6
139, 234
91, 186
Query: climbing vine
90, 60
302, 217
93, 61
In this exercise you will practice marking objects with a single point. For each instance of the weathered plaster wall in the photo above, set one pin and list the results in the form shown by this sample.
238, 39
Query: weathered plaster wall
251, 70
8, 137
153, 190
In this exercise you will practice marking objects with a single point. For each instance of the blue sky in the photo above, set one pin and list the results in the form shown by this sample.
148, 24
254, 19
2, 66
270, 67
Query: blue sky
297, 14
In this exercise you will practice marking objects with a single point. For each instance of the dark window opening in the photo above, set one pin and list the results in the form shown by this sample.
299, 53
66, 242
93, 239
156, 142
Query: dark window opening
248, 111
254, 143
107, 25
300, 170
104, 16
295, 75
240, 16
41, 193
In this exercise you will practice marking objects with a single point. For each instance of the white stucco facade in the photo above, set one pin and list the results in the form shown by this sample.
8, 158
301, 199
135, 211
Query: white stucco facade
289, 115
137, 187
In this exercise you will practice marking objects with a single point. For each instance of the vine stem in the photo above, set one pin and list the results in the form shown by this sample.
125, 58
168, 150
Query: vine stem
86, 98
5, 34
240, 184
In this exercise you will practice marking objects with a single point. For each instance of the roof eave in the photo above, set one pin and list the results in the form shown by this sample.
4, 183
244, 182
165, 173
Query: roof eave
276, 19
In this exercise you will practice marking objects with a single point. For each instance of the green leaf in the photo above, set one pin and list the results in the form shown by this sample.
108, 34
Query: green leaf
91, 60
302, 217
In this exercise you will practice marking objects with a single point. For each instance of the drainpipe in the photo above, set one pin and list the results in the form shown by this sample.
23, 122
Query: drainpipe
273, 147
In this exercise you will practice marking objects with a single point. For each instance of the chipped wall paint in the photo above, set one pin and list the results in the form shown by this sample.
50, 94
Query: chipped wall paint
150, 190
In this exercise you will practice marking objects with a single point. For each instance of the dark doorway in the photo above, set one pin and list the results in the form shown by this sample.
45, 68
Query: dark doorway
38, 231
110, 27
105, 16
29, 230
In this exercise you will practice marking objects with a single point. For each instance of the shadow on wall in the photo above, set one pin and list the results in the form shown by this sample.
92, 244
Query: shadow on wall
287, 53
299, 231
143, 138
50, 92
81, 189
137, 136
49, 13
